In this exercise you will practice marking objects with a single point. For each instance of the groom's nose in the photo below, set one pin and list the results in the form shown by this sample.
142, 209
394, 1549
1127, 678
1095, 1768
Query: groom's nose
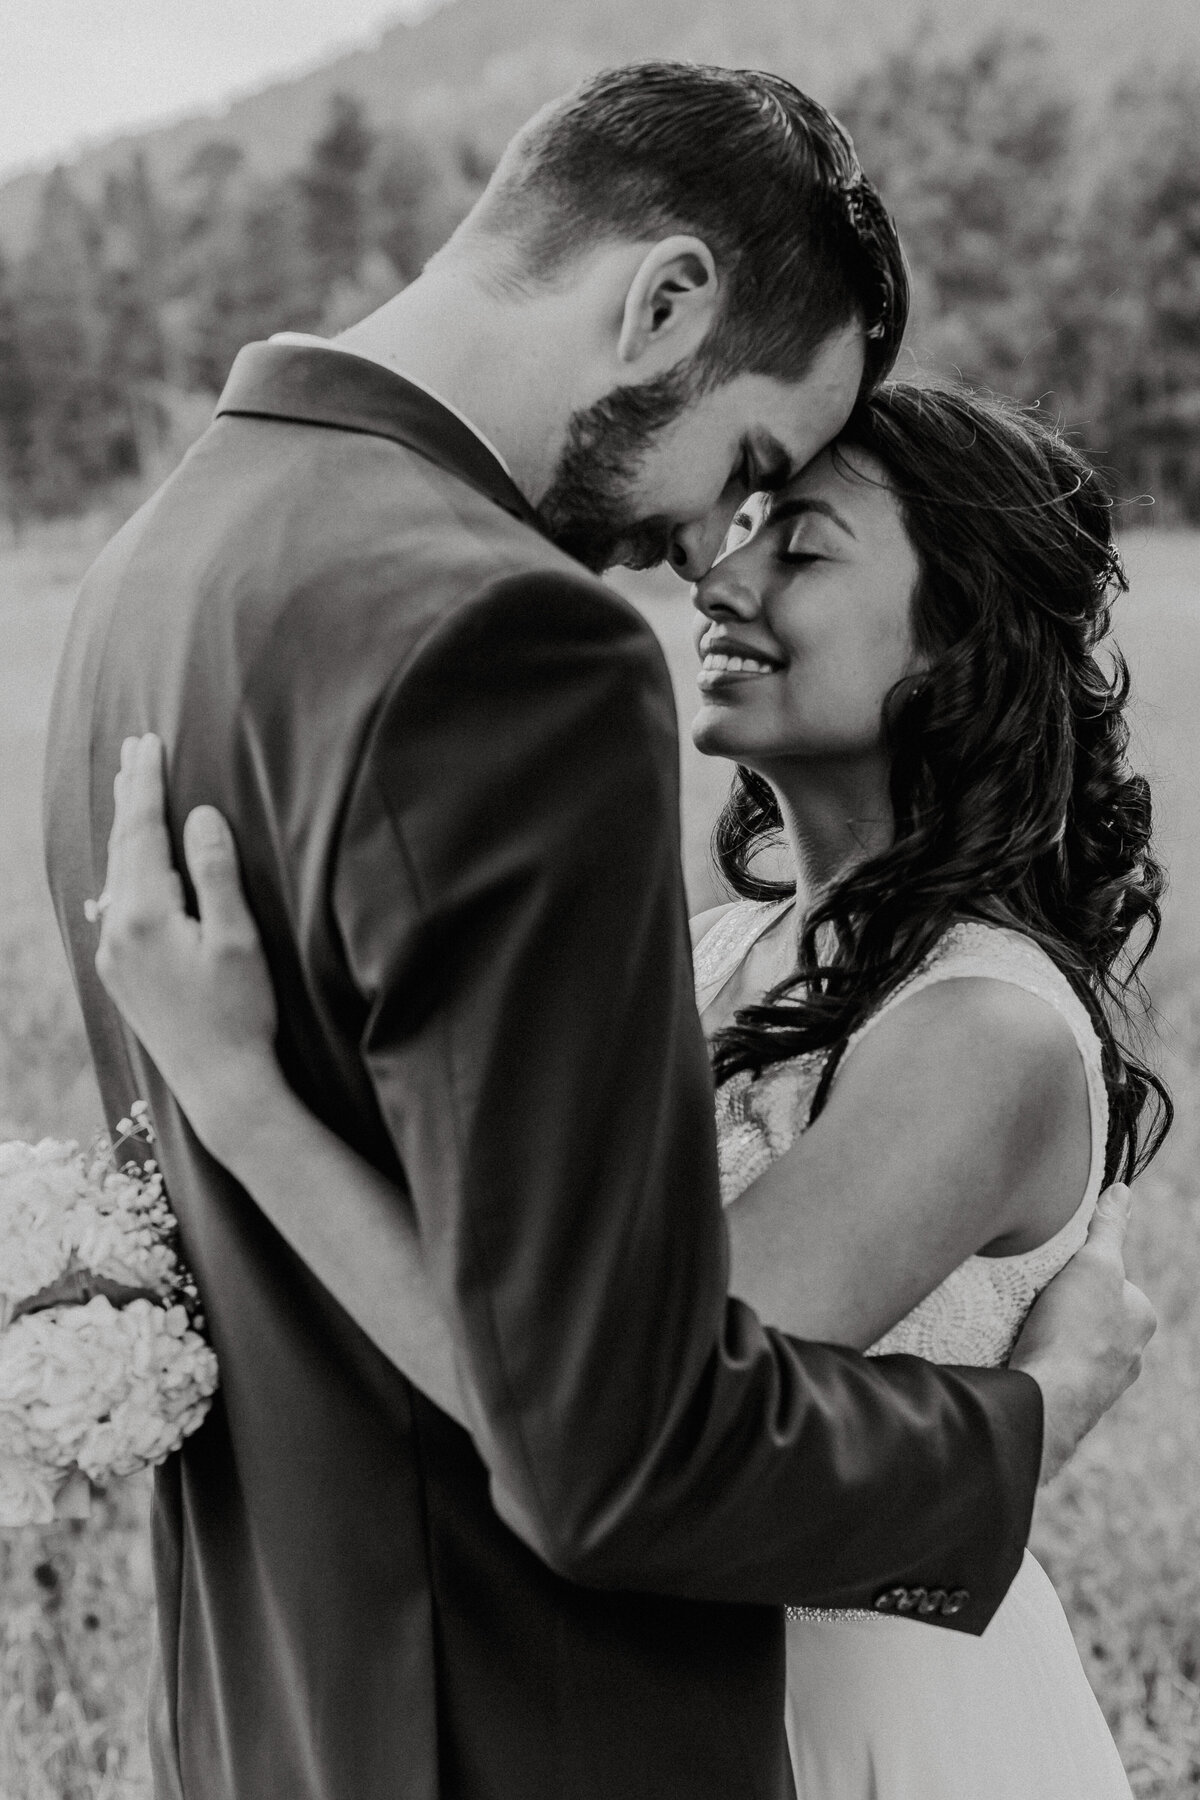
694, 547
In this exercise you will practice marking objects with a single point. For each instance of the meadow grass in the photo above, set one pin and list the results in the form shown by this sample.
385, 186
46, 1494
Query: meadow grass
1120, 1530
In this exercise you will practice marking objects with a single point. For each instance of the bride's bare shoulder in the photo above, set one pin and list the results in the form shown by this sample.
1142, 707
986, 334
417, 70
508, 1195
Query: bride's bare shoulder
702, 923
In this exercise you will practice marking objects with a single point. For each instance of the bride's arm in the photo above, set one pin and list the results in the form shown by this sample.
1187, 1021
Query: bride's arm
959, 1123
198, 995
340, 1215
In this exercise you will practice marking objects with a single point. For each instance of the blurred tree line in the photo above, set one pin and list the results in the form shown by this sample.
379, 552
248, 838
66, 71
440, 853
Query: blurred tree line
1055, 257
120, 322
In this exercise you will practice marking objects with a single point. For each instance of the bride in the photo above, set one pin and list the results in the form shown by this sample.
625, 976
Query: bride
923, 1072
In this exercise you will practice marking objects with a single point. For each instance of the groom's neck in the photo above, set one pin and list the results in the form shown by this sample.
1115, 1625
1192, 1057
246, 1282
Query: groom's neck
502, 367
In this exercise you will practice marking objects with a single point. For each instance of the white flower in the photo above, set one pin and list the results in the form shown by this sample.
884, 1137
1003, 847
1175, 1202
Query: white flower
39, 1186
103, 1388
26, 1494
62, 1211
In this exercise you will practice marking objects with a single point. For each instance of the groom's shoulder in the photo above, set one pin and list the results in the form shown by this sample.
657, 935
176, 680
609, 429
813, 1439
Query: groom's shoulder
431, 559
310, 566
524, 576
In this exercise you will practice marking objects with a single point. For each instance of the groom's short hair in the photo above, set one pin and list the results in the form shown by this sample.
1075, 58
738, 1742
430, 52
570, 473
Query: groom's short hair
764, 174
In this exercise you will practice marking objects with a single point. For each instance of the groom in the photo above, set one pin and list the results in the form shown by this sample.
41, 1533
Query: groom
358, 617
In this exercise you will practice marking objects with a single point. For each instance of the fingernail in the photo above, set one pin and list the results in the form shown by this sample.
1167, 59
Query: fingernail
206, 827
1116, 1199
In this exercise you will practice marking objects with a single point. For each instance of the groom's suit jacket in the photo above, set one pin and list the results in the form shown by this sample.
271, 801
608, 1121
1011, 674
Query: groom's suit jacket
450, 758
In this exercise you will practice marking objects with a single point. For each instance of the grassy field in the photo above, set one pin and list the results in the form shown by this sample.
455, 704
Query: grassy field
1120, 1531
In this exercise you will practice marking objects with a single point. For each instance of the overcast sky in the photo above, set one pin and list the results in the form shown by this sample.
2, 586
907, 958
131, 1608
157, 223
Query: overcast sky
71, 70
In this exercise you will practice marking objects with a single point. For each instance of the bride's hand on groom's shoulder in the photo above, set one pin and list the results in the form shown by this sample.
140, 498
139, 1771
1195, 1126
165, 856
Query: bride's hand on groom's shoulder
196, 991
1084, 1338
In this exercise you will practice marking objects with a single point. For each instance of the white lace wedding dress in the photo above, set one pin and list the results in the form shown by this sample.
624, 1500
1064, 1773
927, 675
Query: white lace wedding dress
880, 1707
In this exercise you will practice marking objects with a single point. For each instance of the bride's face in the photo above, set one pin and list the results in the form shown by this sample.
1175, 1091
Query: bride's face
806, 622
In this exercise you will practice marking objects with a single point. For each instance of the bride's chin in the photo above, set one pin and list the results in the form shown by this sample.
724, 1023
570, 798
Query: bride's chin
711, 735
716, 739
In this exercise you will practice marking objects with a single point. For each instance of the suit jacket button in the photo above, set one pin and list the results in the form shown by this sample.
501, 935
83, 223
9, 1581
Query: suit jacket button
934, 1601
890, 1601
954, 1603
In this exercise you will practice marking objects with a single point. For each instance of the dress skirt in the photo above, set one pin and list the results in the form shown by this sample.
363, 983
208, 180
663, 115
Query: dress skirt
883, 1708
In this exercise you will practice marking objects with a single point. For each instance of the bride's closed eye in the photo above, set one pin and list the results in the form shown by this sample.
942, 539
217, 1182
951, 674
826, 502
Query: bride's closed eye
799, 546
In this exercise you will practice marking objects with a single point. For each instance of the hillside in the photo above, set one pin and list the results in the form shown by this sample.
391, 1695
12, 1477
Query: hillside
485, 64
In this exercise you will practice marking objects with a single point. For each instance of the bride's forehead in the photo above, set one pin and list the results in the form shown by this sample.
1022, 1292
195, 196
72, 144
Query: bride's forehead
842, 480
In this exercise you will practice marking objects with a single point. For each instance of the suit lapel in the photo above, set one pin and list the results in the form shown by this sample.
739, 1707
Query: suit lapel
313, 386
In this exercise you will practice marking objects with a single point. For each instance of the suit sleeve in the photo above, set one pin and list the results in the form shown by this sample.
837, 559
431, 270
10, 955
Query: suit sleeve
509, 896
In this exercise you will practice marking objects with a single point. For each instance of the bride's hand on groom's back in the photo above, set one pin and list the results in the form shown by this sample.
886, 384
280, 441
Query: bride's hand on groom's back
196, 991
1084, 1338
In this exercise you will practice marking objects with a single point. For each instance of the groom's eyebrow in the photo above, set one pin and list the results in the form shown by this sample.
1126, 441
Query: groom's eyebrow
783, 510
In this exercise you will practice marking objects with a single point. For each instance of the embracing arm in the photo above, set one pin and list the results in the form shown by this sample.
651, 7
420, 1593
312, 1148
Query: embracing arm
365, 1248
959, 1123
917, 1162
197, 992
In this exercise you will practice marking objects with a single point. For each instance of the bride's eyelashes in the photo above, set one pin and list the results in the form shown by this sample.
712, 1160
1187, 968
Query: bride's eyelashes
793, 552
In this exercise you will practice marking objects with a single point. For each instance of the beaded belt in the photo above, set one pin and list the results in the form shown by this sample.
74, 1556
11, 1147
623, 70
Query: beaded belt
830, 1615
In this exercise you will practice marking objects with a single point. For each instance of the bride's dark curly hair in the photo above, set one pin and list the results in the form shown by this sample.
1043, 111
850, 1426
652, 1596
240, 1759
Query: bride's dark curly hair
1012, 797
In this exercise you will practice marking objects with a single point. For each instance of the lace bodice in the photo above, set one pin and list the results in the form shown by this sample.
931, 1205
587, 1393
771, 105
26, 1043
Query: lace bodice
974, 1315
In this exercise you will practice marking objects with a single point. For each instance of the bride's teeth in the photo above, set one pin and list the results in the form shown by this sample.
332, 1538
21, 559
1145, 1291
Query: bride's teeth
717, 661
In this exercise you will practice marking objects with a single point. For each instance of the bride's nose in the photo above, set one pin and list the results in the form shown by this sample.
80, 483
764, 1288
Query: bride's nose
727, 591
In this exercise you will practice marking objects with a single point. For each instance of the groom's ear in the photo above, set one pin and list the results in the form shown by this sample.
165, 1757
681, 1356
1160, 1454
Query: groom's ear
670, 307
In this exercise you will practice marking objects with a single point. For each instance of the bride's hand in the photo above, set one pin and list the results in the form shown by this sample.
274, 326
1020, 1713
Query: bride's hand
197, 992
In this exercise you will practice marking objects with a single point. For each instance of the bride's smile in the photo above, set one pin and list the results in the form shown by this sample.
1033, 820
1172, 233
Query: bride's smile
726, 659
805, 621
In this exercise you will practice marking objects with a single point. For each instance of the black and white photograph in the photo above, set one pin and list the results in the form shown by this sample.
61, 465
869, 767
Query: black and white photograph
599, 866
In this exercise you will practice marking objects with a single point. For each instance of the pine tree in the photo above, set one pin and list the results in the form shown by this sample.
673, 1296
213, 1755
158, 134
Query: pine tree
422, 189
405, 176
132, 350
17, 402
1127, 337
972, 154
206, 189
257, 279
59, 291
333, 185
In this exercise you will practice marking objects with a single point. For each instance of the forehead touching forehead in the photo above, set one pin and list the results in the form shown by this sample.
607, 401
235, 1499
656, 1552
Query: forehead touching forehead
843, 485
788, 423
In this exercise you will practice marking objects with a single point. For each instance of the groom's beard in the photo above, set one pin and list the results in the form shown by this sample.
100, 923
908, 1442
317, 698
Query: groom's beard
590, 507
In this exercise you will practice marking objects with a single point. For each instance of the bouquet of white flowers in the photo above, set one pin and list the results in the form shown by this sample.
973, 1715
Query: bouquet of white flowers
104, 1368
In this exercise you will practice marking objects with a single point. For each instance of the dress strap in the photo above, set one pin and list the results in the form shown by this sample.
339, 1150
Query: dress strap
726, 945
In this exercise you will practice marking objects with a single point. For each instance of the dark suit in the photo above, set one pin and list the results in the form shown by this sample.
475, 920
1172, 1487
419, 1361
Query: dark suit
450, 759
